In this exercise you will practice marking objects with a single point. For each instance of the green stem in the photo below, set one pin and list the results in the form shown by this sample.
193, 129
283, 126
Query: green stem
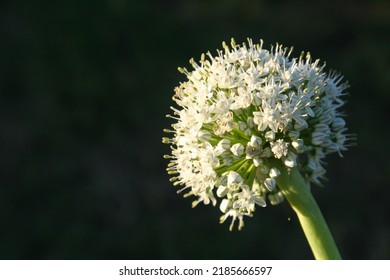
297, 192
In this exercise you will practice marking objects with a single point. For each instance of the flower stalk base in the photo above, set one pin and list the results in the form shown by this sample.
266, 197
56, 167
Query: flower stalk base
297, 192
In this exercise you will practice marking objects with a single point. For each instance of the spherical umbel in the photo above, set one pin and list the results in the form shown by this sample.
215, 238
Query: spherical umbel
243, 109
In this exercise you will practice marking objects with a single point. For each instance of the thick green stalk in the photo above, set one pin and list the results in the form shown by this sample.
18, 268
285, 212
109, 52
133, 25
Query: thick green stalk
295, 189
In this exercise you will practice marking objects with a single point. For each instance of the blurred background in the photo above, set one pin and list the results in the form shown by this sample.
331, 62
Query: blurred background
85, 86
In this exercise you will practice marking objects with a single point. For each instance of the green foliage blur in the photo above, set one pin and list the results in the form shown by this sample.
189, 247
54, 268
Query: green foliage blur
85, 86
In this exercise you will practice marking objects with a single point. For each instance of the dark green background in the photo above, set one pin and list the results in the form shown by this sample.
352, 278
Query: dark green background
85, 86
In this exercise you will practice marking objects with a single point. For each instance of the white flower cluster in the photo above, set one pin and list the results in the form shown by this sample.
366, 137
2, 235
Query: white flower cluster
243, 109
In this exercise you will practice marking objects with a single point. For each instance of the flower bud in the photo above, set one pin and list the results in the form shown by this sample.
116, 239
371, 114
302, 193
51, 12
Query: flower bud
298, 145
318, 137
294, 135
255, 141
290, 160
274, 172
270, 184
225, 205
338, 123
233, 177
270, 136
222, 191
237, 149
224, 144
